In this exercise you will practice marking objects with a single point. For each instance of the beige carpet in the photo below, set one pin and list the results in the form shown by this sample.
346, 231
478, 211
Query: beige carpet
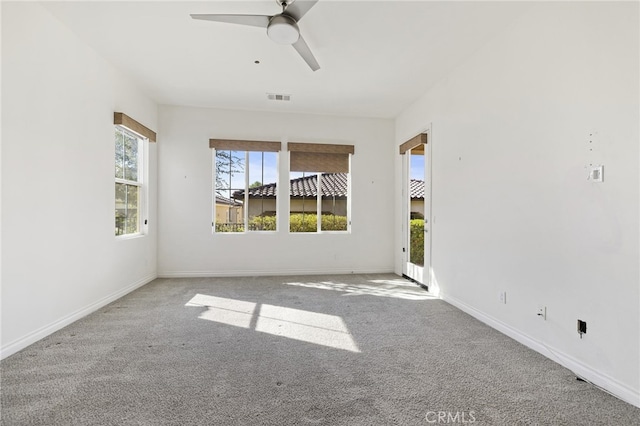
330, 350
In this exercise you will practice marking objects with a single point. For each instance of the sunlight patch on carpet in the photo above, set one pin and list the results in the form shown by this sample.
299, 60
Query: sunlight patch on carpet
305, 326
396, 288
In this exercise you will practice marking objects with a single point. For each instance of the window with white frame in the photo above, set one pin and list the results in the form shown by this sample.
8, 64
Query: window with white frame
319, 187
246, 175
129, 164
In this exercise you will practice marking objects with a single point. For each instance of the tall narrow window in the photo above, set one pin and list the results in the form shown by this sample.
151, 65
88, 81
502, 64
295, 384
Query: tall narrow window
129, 173
319, 187
131, 139
246, 175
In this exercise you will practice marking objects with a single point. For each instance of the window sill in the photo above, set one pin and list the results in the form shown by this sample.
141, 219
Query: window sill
321, 233
247, 233
130, 236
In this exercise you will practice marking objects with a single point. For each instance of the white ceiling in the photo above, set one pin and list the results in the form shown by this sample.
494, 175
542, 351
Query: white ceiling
376, 57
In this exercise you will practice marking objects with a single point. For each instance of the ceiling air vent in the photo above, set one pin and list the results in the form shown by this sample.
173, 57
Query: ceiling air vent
278, 97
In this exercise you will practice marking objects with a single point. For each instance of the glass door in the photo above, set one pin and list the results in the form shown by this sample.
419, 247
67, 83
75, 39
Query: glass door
417, 214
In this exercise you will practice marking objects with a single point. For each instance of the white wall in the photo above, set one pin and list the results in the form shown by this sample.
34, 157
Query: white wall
513, 210
60, 257
186, 246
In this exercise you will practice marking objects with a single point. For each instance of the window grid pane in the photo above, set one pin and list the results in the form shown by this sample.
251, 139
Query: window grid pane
245, 196
262, 191
334, 202
133, 198
229, 172
303, 215
119, 160
121, 208
130, 158
308, 213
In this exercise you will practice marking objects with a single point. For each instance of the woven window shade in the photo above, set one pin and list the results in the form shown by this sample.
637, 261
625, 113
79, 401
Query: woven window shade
237, 145
321, 158
319, 162
320, 148
413, 143
124, 120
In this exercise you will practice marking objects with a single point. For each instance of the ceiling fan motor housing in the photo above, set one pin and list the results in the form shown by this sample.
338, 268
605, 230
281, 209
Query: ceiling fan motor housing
283, 29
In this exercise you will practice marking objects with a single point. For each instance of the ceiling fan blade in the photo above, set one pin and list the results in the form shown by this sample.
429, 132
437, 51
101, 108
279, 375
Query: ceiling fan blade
299, 8
303, 49
252, 20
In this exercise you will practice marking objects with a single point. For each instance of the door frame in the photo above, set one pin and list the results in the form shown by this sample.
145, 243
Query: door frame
420, 274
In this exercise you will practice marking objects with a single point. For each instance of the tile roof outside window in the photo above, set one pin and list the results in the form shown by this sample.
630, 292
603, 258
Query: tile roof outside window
226, 201
417, 189
333, 184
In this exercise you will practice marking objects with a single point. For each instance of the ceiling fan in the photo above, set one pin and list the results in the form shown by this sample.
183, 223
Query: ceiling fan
281, 28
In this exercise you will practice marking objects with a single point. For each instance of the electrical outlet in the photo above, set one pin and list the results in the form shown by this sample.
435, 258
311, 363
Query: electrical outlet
596, 173
542, 312
582, 328
503, 297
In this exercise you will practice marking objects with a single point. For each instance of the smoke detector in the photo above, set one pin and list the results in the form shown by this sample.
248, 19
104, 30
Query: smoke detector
278, 97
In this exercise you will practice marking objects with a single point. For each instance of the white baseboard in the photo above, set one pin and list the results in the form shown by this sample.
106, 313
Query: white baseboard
42, 332
271, 273
605, 382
